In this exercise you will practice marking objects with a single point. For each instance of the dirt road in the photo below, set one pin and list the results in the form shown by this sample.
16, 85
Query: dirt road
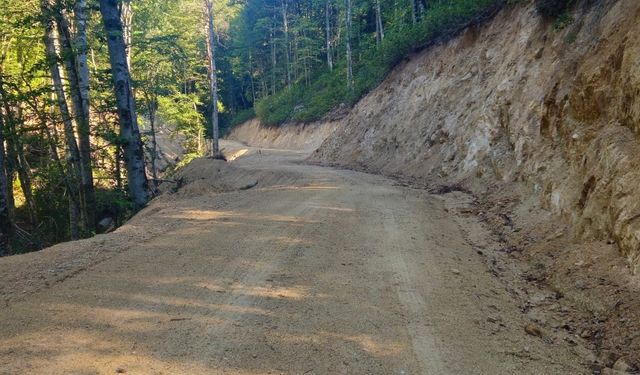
314, 271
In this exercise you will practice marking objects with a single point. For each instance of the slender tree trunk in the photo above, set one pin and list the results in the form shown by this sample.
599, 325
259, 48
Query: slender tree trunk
126, 14
15, 155
118, 168
413, 12
295, 57
154, 144
125, 102
378, 39
6, 224
349, 57
253, 87
84, 131
24, 175
287, 54
118, 179
213, 80
422, 6
327, 25
80, 111
379, 25
72, 153
272, 44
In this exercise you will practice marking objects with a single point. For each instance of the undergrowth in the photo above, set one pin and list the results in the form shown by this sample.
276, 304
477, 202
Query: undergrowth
306, 103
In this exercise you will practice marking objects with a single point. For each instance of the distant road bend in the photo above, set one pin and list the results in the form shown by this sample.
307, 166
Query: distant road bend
326, 271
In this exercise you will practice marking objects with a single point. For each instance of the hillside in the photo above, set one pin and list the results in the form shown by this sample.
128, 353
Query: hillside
539, 123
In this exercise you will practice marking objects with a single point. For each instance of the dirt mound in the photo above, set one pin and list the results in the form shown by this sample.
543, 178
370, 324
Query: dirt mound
205, 176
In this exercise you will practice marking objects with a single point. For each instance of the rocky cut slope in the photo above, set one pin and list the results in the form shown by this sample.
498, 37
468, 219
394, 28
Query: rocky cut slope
518, 99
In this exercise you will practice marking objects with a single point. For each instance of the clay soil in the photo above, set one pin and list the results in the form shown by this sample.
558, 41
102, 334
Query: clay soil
268, 265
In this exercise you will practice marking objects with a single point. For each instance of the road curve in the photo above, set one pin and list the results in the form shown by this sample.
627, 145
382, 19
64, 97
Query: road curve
327, 272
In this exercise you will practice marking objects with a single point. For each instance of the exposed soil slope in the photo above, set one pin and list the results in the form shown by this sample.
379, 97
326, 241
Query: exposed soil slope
289, 136
317, 271
517, 100
541, 124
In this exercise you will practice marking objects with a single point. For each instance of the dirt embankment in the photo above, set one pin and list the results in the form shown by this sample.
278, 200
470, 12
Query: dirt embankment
289, 136
518, 100
541, 124
549, 116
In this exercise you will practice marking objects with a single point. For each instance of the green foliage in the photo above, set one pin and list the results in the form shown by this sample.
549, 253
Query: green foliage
114, 203
562, 21
181, 111
309, 102
553, 8
240, 117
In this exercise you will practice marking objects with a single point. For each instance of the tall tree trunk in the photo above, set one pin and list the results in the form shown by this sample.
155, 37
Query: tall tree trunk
6, 224
287, 53
349, 53
126, 14
213, 80
272, 44
422, 6
84, 131
125, 102
24, 172
413, 12
72, 153
327, 26
118, 179
154, 144
379, 25
80, 112
295, 57
253, 87
15, 155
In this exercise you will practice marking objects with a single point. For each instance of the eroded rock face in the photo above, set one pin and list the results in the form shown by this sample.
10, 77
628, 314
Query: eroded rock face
516, 100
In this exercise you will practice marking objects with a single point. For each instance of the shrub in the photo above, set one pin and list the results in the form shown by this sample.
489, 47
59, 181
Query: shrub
241, 117
552, 8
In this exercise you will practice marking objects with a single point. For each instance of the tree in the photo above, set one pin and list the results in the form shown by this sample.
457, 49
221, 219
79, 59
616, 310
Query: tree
80, 52
74, 57
379, 25
349, 53
126, 15
213, 80
138, 185
327, 13
72, 151
6, 225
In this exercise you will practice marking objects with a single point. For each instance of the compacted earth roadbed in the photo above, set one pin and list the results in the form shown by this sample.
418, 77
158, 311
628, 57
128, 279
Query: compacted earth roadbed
315, 271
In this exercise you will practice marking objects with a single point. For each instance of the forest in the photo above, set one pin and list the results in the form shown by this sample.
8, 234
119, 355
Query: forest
84, 85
